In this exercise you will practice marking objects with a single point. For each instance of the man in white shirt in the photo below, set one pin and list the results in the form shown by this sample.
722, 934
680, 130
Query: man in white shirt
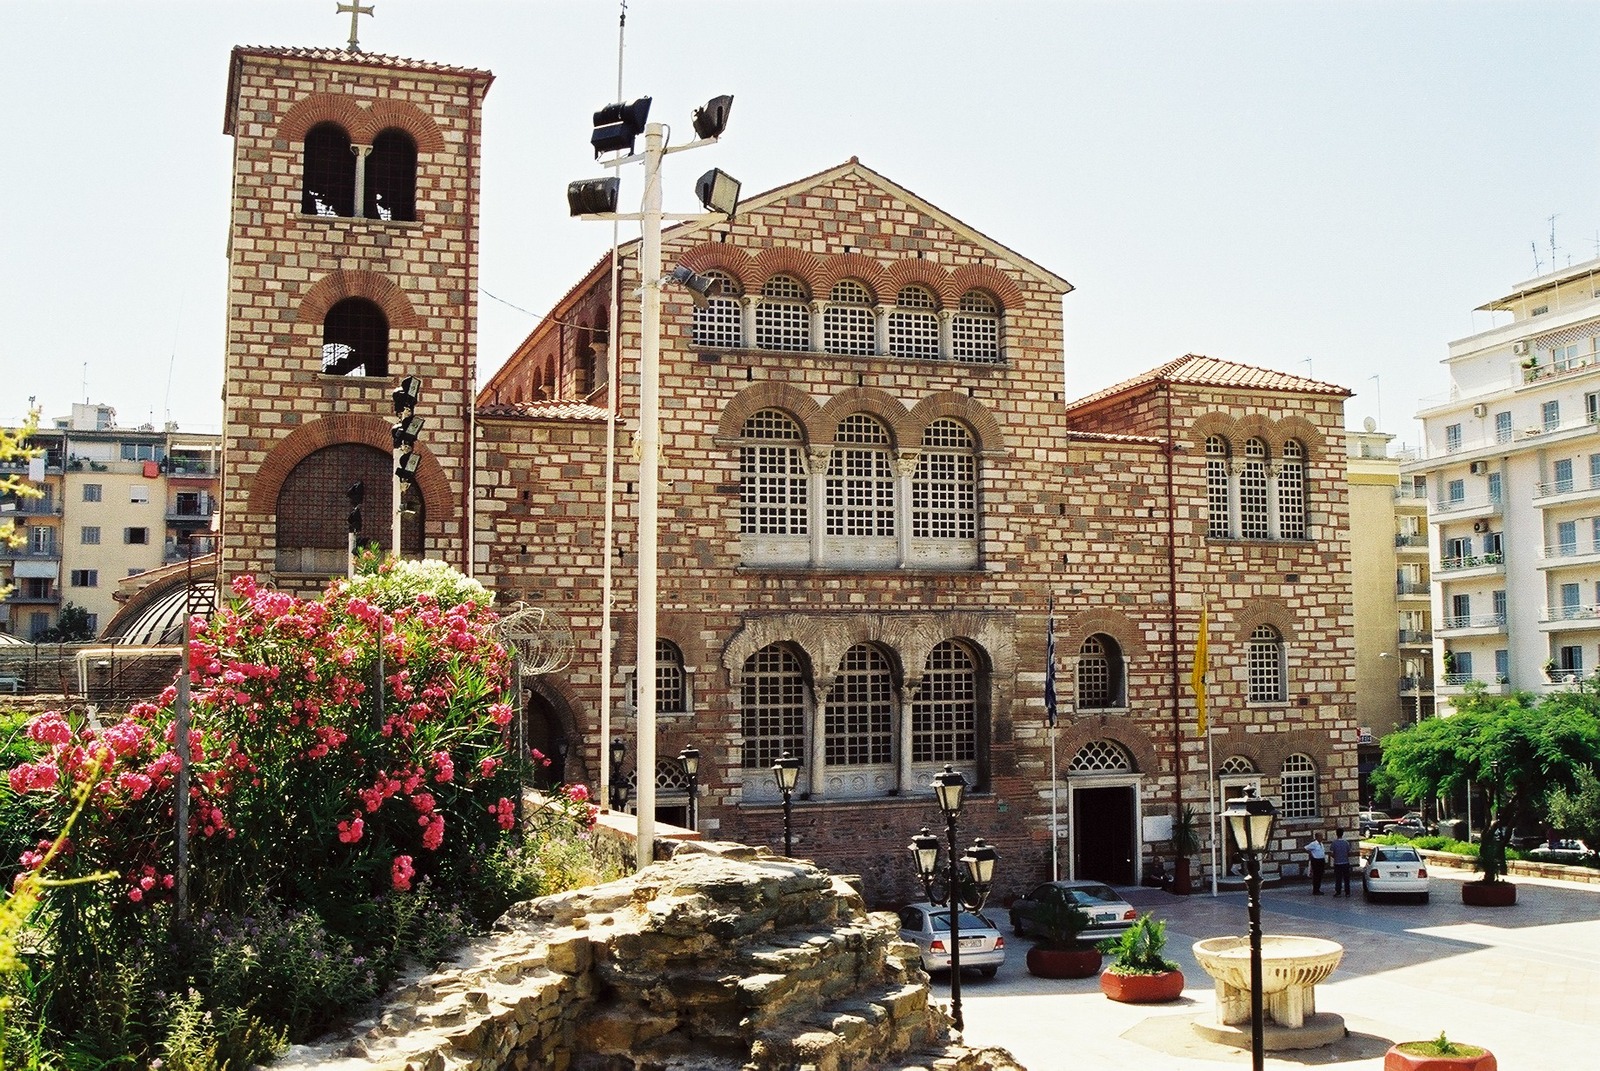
1319, 862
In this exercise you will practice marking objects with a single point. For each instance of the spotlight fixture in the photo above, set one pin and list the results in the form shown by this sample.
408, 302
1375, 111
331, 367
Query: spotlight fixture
711, 120
616, 125
405, 432
406, 395
718, 191
700, 287
357, 494
590, 197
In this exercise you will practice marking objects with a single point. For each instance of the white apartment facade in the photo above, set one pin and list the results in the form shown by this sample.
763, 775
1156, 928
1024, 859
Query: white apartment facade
1511, 471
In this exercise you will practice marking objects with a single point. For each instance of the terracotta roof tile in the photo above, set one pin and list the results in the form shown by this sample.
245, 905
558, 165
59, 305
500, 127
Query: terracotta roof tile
360, 59
1195, 370
549, 409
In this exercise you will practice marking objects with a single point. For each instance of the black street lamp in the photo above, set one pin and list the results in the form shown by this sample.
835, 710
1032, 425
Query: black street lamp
976, 867
563, 749
786, 772
689, 759
619, 795
1250, 819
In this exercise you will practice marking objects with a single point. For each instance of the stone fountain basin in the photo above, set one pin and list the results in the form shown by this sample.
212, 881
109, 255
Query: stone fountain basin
1286, 960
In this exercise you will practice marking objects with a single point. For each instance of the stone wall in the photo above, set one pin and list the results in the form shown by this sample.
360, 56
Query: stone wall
723, 958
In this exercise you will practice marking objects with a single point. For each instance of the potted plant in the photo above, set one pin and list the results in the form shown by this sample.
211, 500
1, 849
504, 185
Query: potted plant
1139, 973
1061, 952
1185, 843
1440, 1054
1550, 670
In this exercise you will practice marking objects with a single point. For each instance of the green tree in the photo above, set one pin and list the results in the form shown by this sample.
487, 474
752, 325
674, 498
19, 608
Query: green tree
1577, 810
72, 626
1517, 749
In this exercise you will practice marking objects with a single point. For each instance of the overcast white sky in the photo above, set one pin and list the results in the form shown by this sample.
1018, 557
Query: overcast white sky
1322, 188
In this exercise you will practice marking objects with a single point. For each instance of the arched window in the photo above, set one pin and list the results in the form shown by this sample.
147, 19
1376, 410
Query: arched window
1298, 787
772, 706
1264, 656
858, 721
944, 489
914, 324
1236, 766
329, 172
849, 324
355, 339
783, 316
672, 694
944, 715
1101, 756
1292, 492
860, 481
975, 328
719, 323
772, 476
1100, 674
312, 509
1217, 526
391, 178
1253, 491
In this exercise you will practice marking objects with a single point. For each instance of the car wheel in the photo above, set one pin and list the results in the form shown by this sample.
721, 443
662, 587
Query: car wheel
988, 972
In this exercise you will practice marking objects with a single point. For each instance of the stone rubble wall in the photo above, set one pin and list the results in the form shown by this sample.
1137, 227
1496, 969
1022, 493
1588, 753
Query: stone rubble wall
723, 958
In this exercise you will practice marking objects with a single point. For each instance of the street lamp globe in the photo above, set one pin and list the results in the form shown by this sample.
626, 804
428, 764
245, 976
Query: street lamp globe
925, 849
951, 789
1250, 819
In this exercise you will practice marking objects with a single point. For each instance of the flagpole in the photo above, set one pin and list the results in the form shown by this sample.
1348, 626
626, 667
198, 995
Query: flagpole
1211, 800
1055, 833
1050, 718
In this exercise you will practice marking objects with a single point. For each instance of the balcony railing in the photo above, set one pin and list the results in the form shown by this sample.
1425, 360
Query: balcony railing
1409, 685
1413, 636
1457, 680
1412, 587
1472, 561
30, 507
1574, 549
1410, 539
51, 553
1555, 369
177, 552
1565, 487
1476, 621
1459, 505
1575, 612
1410, 494
194, 514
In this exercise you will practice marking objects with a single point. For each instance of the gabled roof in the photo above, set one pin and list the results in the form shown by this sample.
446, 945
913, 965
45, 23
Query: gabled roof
547, 409
1195, 370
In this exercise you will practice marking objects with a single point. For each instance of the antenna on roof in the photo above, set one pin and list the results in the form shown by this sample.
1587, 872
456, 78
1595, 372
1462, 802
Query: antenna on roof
1538, 266
1552, 243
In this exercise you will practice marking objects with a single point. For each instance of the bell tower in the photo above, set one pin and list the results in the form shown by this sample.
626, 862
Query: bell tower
352, 271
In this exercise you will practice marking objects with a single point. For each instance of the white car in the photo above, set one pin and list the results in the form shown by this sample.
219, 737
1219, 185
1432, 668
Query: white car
1396, 869
1570, 852
928, 927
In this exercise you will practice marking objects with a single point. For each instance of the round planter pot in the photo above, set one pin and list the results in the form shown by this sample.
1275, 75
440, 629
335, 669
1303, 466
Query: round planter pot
1488, 893
1063, 962
1396, 1060
1142, 988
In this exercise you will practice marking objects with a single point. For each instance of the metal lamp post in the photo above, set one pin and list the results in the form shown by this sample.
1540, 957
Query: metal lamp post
786, 773
689, 759
1250, 819
619, 795
977, 865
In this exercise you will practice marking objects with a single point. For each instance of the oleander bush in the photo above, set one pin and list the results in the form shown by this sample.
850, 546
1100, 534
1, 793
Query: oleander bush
344, 820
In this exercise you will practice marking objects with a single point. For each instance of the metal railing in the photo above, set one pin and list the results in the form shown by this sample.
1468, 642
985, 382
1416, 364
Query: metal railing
1412, 587
1475, 621
1413, 636
1472, 561
1575, 612
1411, 539
1458, 505
1573, 549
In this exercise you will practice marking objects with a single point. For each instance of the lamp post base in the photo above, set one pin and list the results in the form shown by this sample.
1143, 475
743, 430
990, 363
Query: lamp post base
1319, 1029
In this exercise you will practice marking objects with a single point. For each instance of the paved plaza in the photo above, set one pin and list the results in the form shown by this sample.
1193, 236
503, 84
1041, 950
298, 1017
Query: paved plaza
1523, 981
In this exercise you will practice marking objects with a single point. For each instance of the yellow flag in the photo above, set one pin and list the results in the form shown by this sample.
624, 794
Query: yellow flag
1197, 678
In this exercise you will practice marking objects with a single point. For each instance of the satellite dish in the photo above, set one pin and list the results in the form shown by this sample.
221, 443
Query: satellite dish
1369, 424
541, 638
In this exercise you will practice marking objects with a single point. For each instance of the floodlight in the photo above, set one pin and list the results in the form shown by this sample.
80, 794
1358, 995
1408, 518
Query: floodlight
718, 191
700, 287
616, 125
588, 197
711, 120
406, 395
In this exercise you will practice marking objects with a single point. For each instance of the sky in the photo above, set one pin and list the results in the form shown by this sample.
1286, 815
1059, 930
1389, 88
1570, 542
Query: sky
1326, 189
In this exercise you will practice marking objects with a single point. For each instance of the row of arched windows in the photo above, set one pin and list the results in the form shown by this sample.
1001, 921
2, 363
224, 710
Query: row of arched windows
857, 502
1253, 496
785, 317
377, 181
1102, 674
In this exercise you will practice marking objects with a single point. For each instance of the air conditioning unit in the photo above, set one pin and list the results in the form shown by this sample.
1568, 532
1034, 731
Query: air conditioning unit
1480, 410
1478, 468
1519, 348
1480, 526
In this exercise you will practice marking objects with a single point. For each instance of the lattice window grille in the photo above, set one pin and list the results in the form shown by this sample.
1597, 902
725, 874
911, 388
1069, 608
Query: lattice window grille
783, 317
772, 705
671, 695
944, 489
1102, 756
860, 480
772, 477
1217, 488
1299, 787
975, 329
1292, 492
1236, 766
1264, 656
720, 322
914, 324
944, 715
1096, 682
1253, 491
858, 724
849, 323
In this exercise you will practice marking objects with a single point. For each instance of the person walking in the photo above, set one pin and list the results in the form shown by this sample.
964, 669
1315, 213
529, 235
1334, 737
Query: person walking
1318, 854
1340, 849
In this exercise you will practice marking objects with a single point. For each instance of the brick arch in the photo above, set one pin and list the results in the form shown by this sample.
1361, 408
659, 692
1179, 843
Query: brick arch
991, 440
990, 280
307, 439
1127, 633
855, 266
1308, 742
919, 272
316, 108
1252, 426
572, 714
719, 256
1303, 431
1256, 612
785, 260
873, 402
1205, 426
340, 284
401, 115
769, 395
1090, 728
1245, 745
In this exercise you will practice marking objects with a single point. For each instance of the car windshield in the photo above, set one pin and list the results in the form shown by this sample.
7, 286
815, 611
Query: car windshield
1396, 855
969, 921
1094, 894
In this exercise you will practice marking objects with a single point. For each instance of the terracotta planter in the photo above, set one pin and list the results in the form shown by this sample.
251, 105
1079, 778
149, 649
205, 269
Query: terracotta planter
1395, 1060
1142, 988
1183, 879
1488, 893
1063, 962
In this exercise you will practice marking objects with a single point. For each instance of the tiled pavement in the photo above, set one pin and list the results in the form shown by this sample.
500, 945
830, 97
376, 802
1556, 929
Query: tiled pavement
1523, 981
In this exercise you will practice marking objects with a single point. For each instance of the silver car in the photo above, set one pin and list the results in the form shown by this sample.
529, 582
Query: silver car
928, 927
1109, 914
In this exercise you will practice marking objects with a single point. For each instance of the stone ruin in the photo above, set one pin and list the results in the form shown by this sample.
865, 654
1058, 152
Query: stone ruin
723, 958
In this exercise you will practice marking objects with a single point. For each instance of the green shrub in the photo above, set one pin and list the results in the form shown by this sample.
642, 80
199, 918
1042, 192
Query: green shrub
1139, 948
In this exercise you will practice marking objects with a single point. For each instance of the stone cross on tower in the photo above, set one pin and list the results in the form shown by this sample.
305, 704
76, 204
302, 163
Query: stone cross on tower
356, 10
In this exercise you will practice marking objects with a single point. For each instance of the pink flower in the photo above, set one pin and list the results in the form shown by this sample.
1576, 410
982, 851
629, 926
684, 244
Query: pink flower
32, 775
423, 802
577, 793
501, 713
135, 894
486, 768
433, 835
50, 728
444, 769
350, 831
401, 872
505, 812
134, 784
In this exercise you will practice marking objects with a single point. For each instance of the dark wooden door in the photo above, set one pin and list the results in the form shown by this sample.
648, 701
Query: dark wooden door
1103, 834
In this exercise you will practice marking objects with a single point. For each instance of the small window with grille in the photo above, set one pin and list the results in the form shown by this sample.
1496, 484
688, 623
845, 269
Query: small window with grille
1299, 787
1101, 756
772, 476
944, 488
849, 323
1217, 526
914, 324
1292, 492
783, 316
1099, 674
355, 339
975, 329
719, 323
1253, 491
1264, 655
